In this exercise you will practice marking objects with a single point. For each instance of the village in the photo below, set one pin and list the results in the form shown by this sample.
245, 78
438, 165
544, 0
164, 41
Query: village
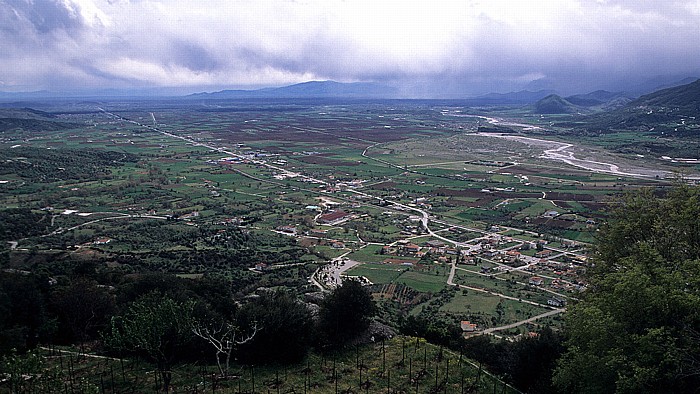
552, 270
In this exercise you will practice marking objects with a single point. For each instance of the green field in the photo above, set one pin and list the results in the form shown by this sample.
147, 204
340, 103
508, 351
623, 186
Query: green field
169, 205
378, 273
423, 282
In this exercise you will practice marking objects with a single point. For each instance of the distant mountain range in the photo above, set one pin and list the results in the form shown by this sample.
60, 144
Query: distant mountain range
670, 115
360, 90
550, 102
312, 89
600, 100
657, 83
674, 109
669, 112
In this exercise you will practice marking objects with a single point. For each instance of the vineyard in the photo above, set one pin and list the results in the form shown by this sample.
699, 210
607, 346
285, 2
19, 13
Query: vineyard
397, 365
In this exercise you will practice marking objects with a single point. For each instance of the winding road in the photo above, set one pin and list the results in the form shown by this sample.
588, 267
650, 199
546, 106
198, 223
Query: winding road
340, 264
526, 321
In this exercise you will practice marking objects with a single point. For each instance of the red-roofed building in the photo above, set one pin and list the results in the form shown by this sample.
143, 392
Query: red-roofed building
411, 248
333, 217
337, 244
543, 254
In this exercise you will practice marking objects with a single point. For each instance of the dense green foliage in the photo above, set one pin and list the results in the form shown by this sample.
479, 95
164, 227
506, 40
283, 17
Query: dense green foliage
345, 313
50, 165
155, 317
636, 330
23, 318
17, 223
156, 327
83, 309
527, 363
8, 124
285, 328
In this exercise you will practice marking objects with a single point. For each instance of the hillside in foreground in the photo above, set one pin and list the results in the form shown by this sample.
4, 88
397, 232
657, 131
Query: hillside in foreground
400, 365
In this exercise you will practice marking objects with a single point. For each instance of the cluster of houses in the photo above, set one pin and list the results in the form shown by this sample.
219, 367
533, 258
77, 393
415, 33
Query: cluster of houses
568, 271
231, 222
329, 219
488, 247
410, 229
556, 284
435, 248
287, 229
339, 186
313, 233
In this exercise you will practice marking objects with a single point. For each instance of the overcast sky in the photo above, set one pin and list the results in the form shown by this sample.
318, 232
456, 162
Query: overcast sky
468, 47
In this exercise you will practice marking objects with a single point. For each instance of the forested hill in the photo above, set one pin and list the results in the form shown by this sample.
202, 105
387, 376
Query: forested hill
554, 104
673, 110
30, 120
684, 97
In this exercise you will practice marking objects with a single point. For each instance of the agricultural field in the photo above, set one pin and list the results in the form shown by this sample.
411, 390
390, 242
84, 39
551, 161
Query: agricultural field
268, 193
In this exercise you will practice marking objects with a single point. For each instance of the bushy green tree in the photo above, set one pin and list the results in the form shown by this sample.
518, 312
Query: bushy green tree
84, 309
156, 327
23, 315
636, 329
345, 313
284, 328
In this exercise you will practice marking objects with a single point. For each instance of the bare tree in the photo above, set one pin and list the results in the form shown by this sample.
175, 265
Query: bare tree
224, 337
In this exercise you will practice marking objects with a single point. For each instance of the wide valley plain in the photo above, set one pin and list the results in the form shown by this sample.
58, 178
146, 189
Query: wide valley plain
446, 212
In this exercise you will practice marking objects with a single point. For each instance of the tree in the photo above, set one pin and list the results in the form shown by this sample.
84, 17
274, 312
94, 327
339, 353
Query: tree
285, 328
224, 336
83, 308
156, 327
636, 328
345, 312
23, 315
534, 361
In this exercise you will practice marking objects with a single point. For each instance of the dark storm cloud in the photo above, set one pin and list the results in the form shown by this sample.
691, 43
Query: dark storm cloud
193, 56
459, 47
